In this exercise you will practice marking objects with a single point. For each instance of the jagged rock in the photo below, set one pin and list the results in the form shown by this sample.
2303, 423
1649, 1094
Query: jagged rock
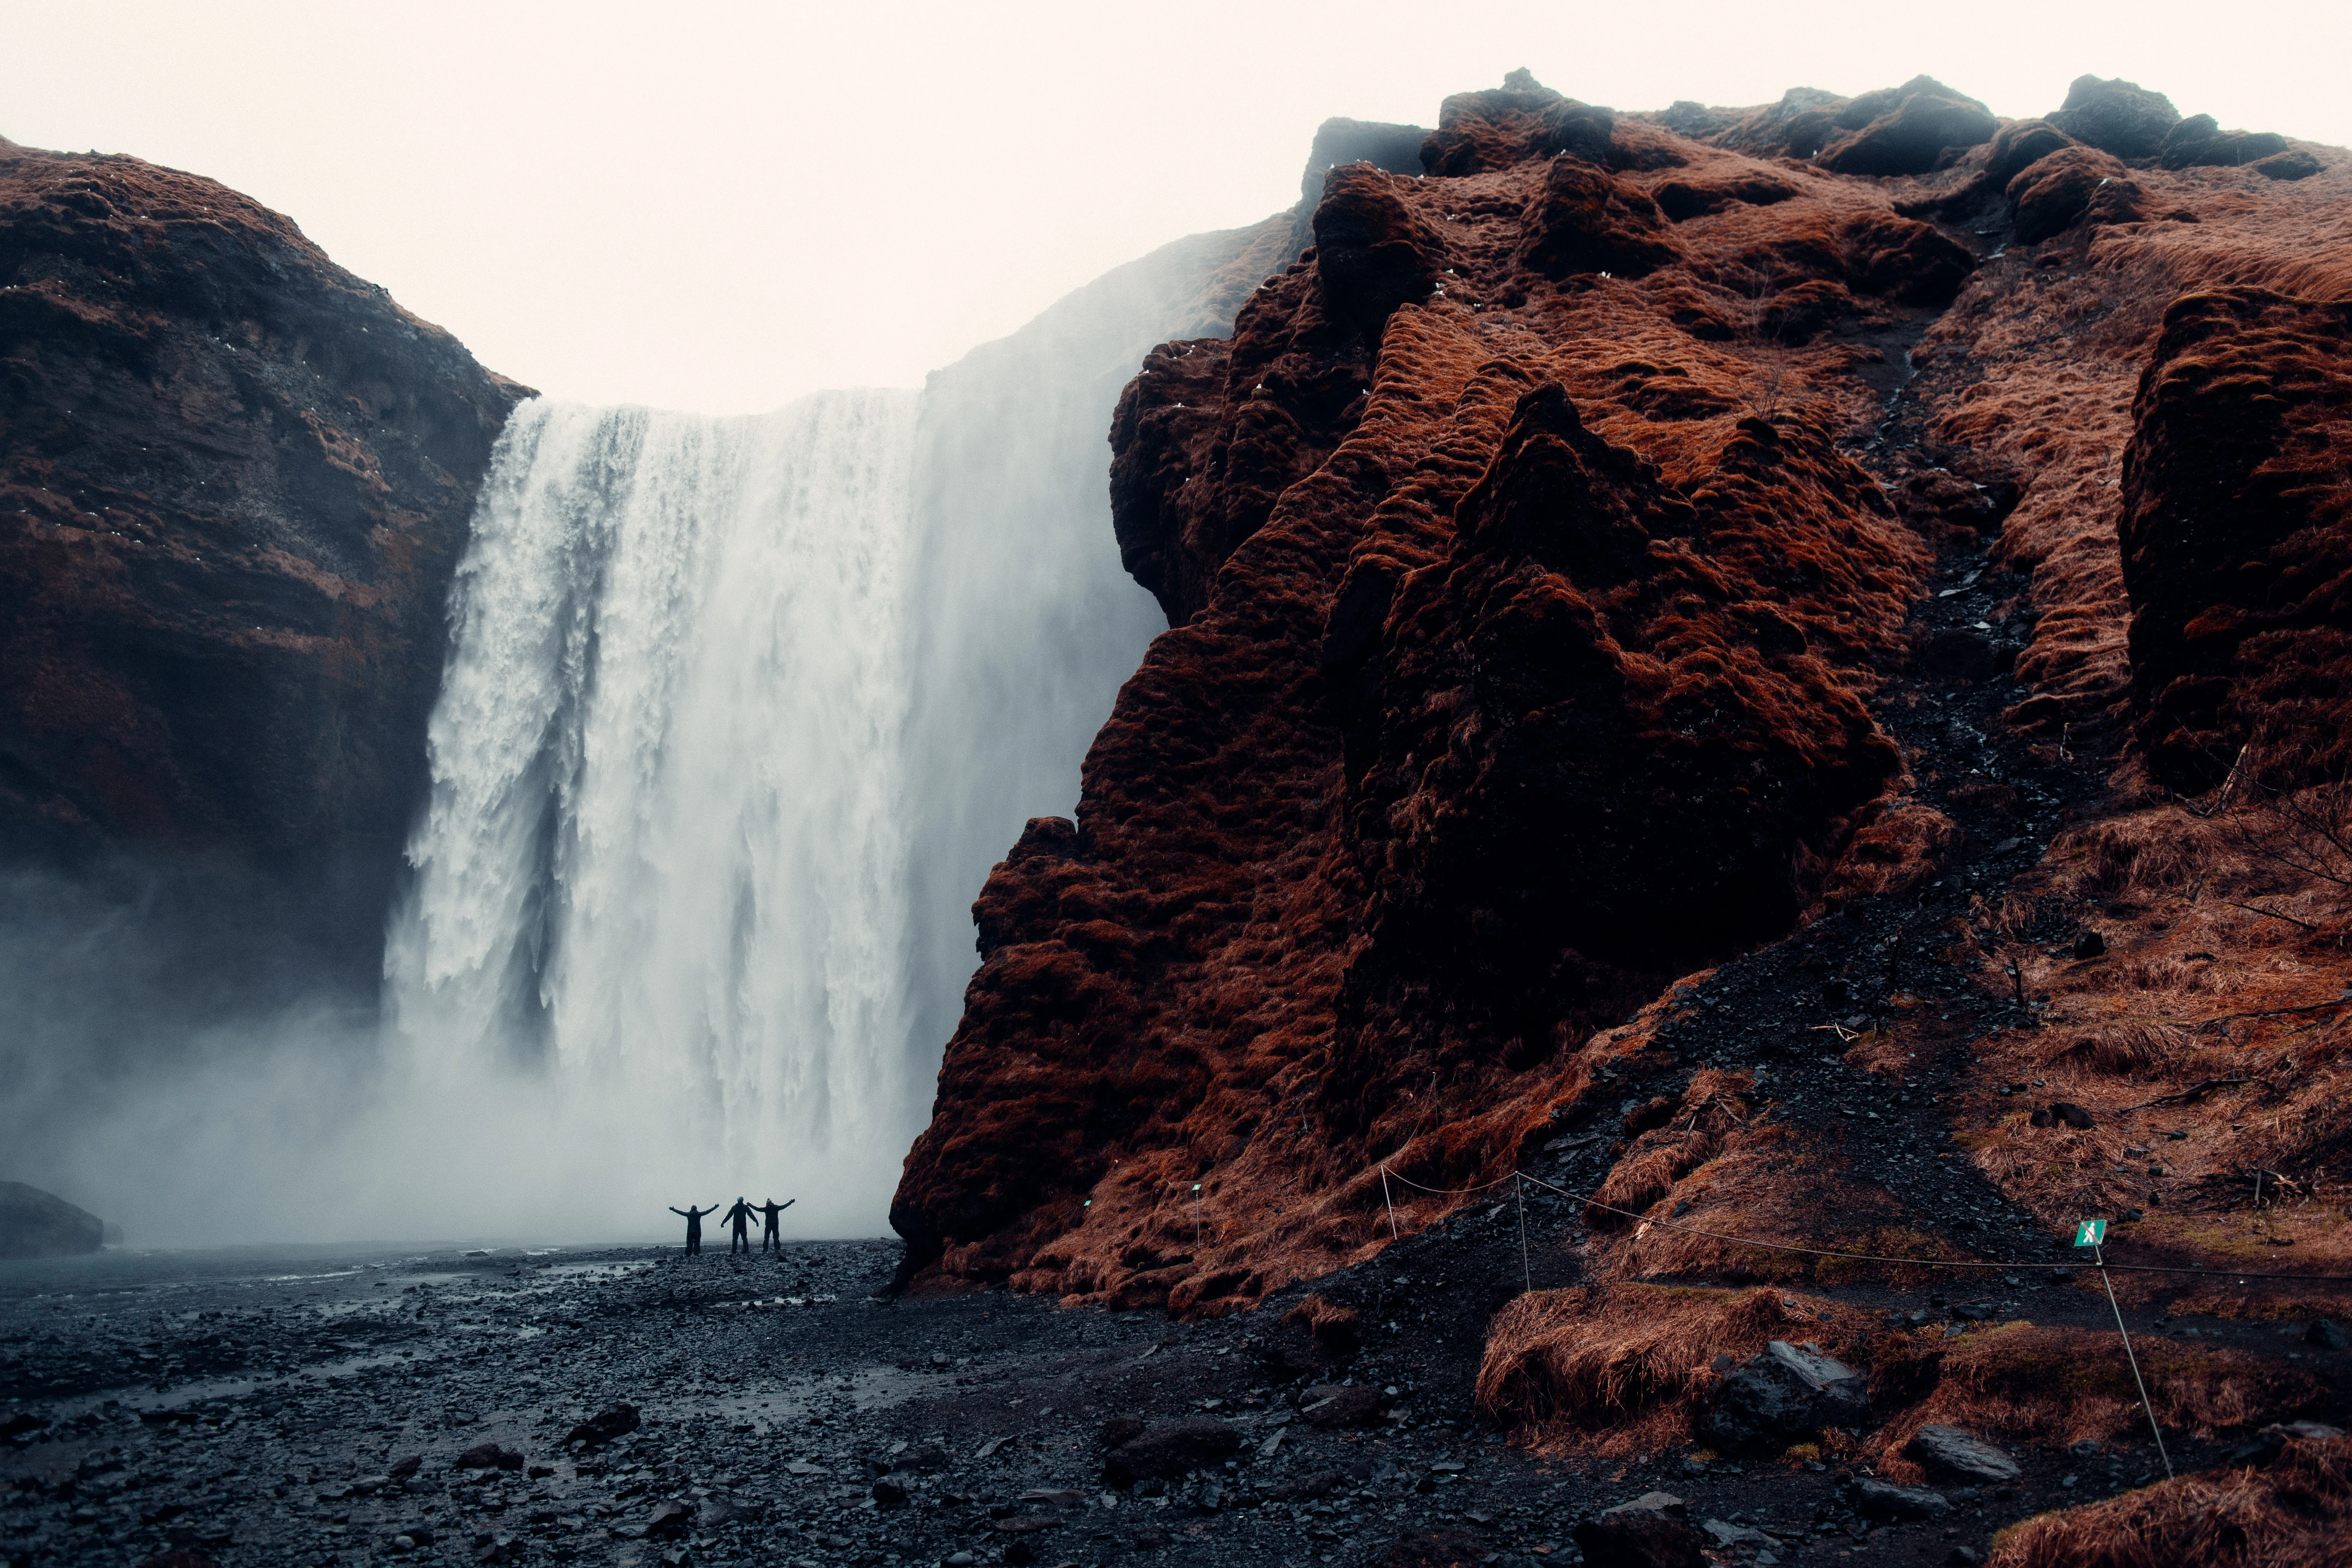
1875, 1498
2199, 140
1192, 1443
1648, 1532
2267, 1444
889, 1493
1724, 1535
2116, 116
2072, 1115
1906, 130
671, 1519
35, 1224
1772, 1399
1953, 1451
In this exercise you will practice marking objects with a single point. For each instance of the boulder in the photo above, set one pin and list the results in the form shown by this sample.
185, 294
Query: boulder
613, 1421
2020, 144
489, 1457
2072, 1115
2071, 185
1353, 1405
1193, 1443
1773, 1399
1875, 1498
2293, 164
672, 1519
2326, 1335
35, 1224
1910, 133
1647, 1532
2116, 116
1952, 1451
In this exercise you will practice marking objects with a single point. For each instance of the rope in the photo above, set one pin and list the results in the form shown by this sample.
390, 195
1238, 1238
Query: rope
1854, 1257
2100, 1253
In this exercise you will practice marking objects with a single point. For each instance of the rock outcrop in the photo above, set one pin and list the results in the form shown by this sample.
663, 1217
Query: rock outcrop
234, 483
1537, 552
35, 1224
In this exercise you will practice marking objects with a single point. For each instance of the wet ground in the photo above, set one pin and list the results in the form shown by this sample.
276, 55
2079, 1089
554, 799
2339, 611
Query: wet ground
256, 1409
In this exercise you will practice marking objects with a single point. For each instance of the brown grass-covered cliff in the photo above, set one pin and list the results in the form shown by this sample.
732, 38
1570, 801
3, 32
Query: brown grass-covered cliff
1545, 554
234, 483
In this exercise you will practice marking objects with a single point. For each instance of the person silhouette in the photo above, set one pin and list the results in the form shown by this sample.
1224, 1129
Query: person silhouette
693, 1225
771, 1209
738, 1219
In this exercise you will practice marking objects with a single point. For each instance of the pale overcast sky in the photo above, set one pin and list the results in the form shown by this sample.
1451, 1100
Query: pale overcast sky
719, 206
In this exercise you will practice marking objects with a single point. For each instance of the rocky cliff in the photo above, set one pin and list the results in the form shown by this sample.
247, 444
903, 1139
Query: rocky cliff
1626, 542
234, 483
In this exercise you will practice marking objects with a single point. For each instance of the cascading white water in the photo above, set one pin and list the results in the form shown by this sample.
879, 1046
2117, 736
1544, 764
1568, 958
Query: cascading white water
663, 873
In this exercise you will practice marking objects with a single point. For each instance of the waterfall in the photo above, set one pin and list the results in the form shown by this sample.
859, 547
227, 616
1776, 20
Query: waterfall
737, 715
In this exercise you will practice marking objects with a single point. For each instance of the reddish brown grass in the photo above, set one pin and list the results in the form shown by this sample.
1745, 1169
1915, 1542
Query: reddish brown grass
2297, 1513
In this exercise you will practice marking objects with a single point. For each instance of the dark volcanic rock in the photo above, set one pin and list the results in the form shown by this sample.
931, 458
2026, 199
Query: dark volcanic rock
1648, 1532
2199, 140
35, 1224
1334, 1404
2116, 116
613, 1421
1875, 1498
2236, 538
1906, 130
1193, 1443
1961, 1455
2019, 144
235, 480
1784, 1394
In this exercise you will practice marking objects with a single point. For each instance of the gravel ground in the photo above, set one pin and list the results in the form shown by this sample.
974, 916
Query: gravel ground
270, 1398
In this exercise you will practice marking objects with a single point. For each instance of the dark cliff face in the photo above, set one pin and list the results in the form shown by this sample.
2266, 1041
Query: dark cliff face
2237, 537
1544, 553
235, 480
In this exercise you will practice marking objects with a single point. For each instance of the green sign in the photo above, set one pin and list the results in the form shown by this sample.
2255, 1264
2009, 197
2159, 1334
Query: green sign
2090, 1232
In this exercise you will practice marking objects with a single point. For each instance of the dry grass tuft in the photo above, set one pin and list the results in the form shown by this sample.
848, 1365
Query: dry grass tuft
2297, 1513
1630, 1362
2026, 1381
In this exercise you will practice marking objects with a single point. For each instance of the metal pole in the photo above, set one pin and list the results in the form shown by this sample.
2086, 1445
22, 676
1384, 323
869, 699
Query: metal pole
1385, 1204
1526, 1275
2100, 1253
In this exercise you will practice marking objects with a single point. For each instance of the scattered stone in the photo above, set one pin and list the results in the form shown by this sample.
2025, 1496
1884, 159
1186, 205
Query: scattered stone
615, 1420
889, 1493
406, 1467
1875, 1498
1193, 1443
1952, 1451
1774, 1398
1025, 1523
1437, 1549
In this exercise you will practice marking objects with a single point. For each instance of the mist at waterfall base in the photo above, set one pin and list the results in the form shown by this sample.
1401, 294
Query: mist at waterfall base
737, 715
